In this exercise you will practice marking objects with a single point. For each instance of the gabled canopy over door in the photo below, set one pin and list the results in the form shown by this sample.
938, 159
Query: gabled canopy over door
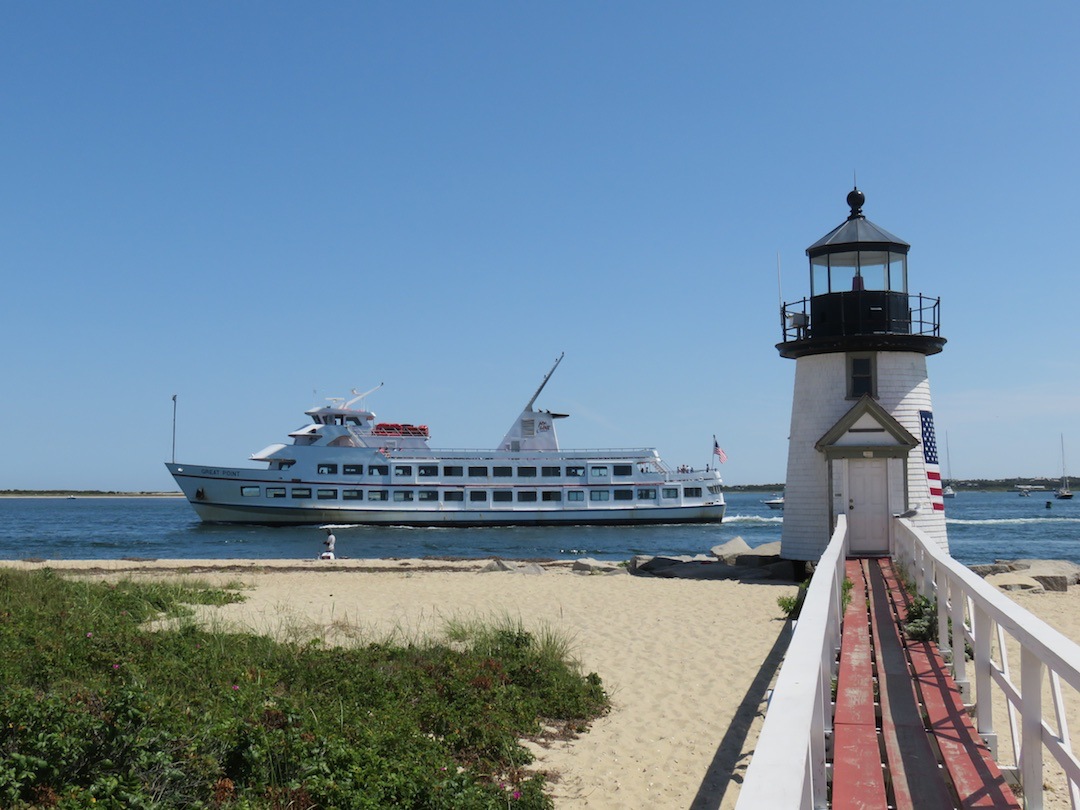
867, 454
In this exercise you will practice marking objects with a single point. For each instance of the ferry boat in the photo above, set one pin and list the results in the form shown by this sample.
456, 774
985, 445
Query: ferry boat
346, 467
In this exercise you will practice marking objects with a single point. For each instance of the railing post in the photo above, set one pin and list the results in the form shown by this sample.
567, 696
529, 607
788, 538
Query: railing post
984, 703
1031, 761
941, 595
957, 602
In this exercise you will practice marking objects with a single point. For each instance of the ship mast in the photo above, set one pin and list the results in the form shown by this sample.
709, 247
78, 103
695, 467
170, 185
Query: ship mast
542, 384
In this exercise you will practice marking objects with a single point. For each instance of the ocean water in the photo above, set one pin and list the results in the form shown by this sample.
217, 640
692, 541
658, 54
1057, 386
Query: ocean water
983, 526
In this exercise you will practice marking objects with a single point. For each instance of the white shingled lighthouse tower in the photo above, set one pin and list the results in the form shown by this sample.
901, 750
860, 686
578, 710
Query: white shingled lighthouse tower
862, 423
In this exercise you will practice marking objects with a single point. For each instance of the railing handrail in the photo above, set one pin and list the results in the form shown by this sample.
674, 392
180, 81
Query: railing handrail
924, 315
977, 607
787, 769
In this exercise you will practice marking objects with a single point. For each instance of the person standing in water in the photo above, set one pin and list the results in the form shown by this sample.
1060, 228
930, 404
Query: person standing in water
329, 542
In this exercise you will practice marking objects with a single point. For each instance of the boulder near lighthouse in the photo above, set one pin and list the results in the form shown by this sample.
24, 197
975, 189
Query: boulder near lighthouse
862, 424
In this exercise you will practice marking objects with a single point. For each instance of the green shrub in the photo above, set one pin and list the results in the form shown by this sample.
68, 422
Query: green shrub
99, 711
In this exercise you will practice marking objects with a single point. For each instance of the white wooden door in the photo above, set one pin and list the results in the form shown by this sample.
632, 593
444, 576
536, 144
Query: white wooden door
868, 506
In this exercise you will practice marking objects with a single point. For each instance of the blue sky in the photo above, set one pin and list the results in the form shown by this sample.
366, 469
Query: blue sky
256, 206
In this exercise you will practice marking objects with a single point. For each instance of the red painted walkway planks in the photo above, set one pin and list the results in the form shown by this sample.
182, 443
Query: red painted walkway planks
933, 757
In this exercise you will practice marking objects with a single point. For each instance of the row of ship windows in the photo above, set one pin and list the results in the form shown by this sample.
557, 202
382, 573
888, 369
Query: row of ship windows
498, 495
482, 471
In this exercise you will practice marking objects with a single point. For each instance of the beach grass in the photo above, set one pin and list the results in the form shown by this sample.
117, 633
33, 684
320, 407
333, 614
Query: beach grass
107, 706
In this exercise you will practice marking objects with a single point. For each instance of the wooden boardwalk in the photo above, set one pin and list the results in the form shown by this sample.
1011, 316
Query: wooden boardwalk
901, 736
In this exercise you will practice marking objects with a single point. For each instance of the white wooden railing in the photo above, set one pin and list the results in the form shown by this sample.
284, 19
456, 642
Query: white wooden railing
965, 600
787, 769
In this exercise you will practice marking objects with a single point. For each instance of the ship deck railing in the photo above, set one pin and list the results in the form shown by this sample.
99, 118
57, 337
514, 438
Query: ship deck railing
794, 764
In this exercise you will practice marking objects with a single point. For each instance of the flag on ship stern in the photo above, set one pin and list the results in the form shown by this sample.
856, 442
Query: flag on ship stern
718, 451
930, 456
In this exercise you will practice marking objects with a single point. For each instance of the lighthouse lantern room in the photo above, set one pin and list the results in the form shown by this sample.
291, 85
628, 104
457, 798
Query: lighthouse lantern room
862, 425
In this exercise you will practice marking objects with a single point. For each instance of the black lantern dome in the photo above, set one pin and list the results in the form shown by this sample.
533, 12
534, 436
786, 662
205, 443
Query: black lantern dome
859, 297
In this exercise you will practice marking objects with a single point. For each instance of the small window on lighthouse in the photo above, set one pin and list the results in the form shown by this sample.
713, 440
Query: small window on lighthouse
860, 375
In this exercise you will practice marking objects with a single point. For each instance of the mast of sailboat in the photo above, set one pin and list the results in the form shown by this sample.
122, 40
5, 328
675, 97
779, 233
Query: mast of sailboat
544, 382
1064, 472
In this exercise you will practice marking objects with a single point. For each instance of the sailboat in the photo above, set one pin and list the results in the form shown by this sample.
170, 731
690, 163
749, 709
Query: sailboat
948, 491
1063, 494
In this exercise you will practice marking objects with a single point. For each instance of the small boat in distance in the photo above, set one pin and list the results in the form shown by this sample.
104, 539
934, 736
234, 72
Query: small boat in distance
345, 467
948, 492
1063, 493
775, 503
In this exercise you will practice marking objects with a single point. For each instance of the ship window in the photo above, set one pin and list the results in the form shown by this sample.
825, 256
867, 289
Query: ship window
301, 492
352, 494
328, 469
624, 494
714, 489
478, 472
575, 495
599, 471
427, 495
575, 472
326, 494
526, 496
502, 472
551, 472
599, 495
378, 469
249, 492
551, 496
275, 492
477, 495
376, 495
502, 496
692, 492
670, 492
624, 469
860, 375
353, 469
428, 470
453, 472
646, 494
403, 469
402, 495
454, 495
526, 472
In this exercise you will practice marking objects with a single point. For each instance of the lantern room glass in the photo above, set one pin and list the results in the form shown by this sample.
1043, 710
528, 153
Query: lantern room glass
855, 270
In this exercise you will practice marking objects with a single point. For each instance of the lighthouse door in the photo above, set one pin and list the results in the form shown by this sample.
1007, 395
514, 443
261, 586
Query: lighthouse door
868, 506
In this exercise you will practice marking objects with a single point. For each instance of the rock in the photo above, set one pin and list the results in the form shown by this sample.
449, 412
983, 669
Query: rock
1052, 582
659, 563
589, 566
499, 565
1056, 575
530, 569
1012, 581
697, 569
1063, 568
727, 552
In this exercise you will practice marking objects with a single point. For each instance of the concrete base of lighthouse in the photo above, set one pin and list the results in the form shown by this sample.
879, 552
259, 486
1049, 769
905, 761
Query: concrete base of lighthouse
863, 457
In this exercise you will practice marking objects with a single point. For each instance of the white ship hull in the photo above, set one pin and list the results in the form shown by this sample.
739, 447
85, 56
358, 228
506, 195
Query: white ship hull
217, 495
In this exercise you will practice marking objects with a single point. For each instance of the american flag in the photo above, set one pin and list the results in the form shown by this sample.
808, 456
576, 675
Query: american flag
930, 456
718, 451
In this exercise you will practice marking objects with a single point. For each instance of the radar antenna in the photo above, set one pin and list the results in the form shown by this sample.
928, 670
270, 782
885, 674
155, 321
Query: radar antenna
542, 384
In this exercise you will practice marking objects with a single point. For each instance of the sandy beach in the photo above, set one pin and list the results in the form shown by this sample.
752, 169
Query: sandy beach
686, 662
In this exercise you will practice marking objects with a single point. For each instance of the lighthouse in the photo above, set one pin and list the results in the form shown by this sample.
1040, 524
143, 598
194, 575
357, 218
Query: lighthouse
862, 438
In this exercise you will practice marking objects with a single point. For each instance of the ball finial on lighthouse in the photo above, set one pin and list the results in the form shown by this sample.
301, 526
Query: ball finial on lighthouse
856, 199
